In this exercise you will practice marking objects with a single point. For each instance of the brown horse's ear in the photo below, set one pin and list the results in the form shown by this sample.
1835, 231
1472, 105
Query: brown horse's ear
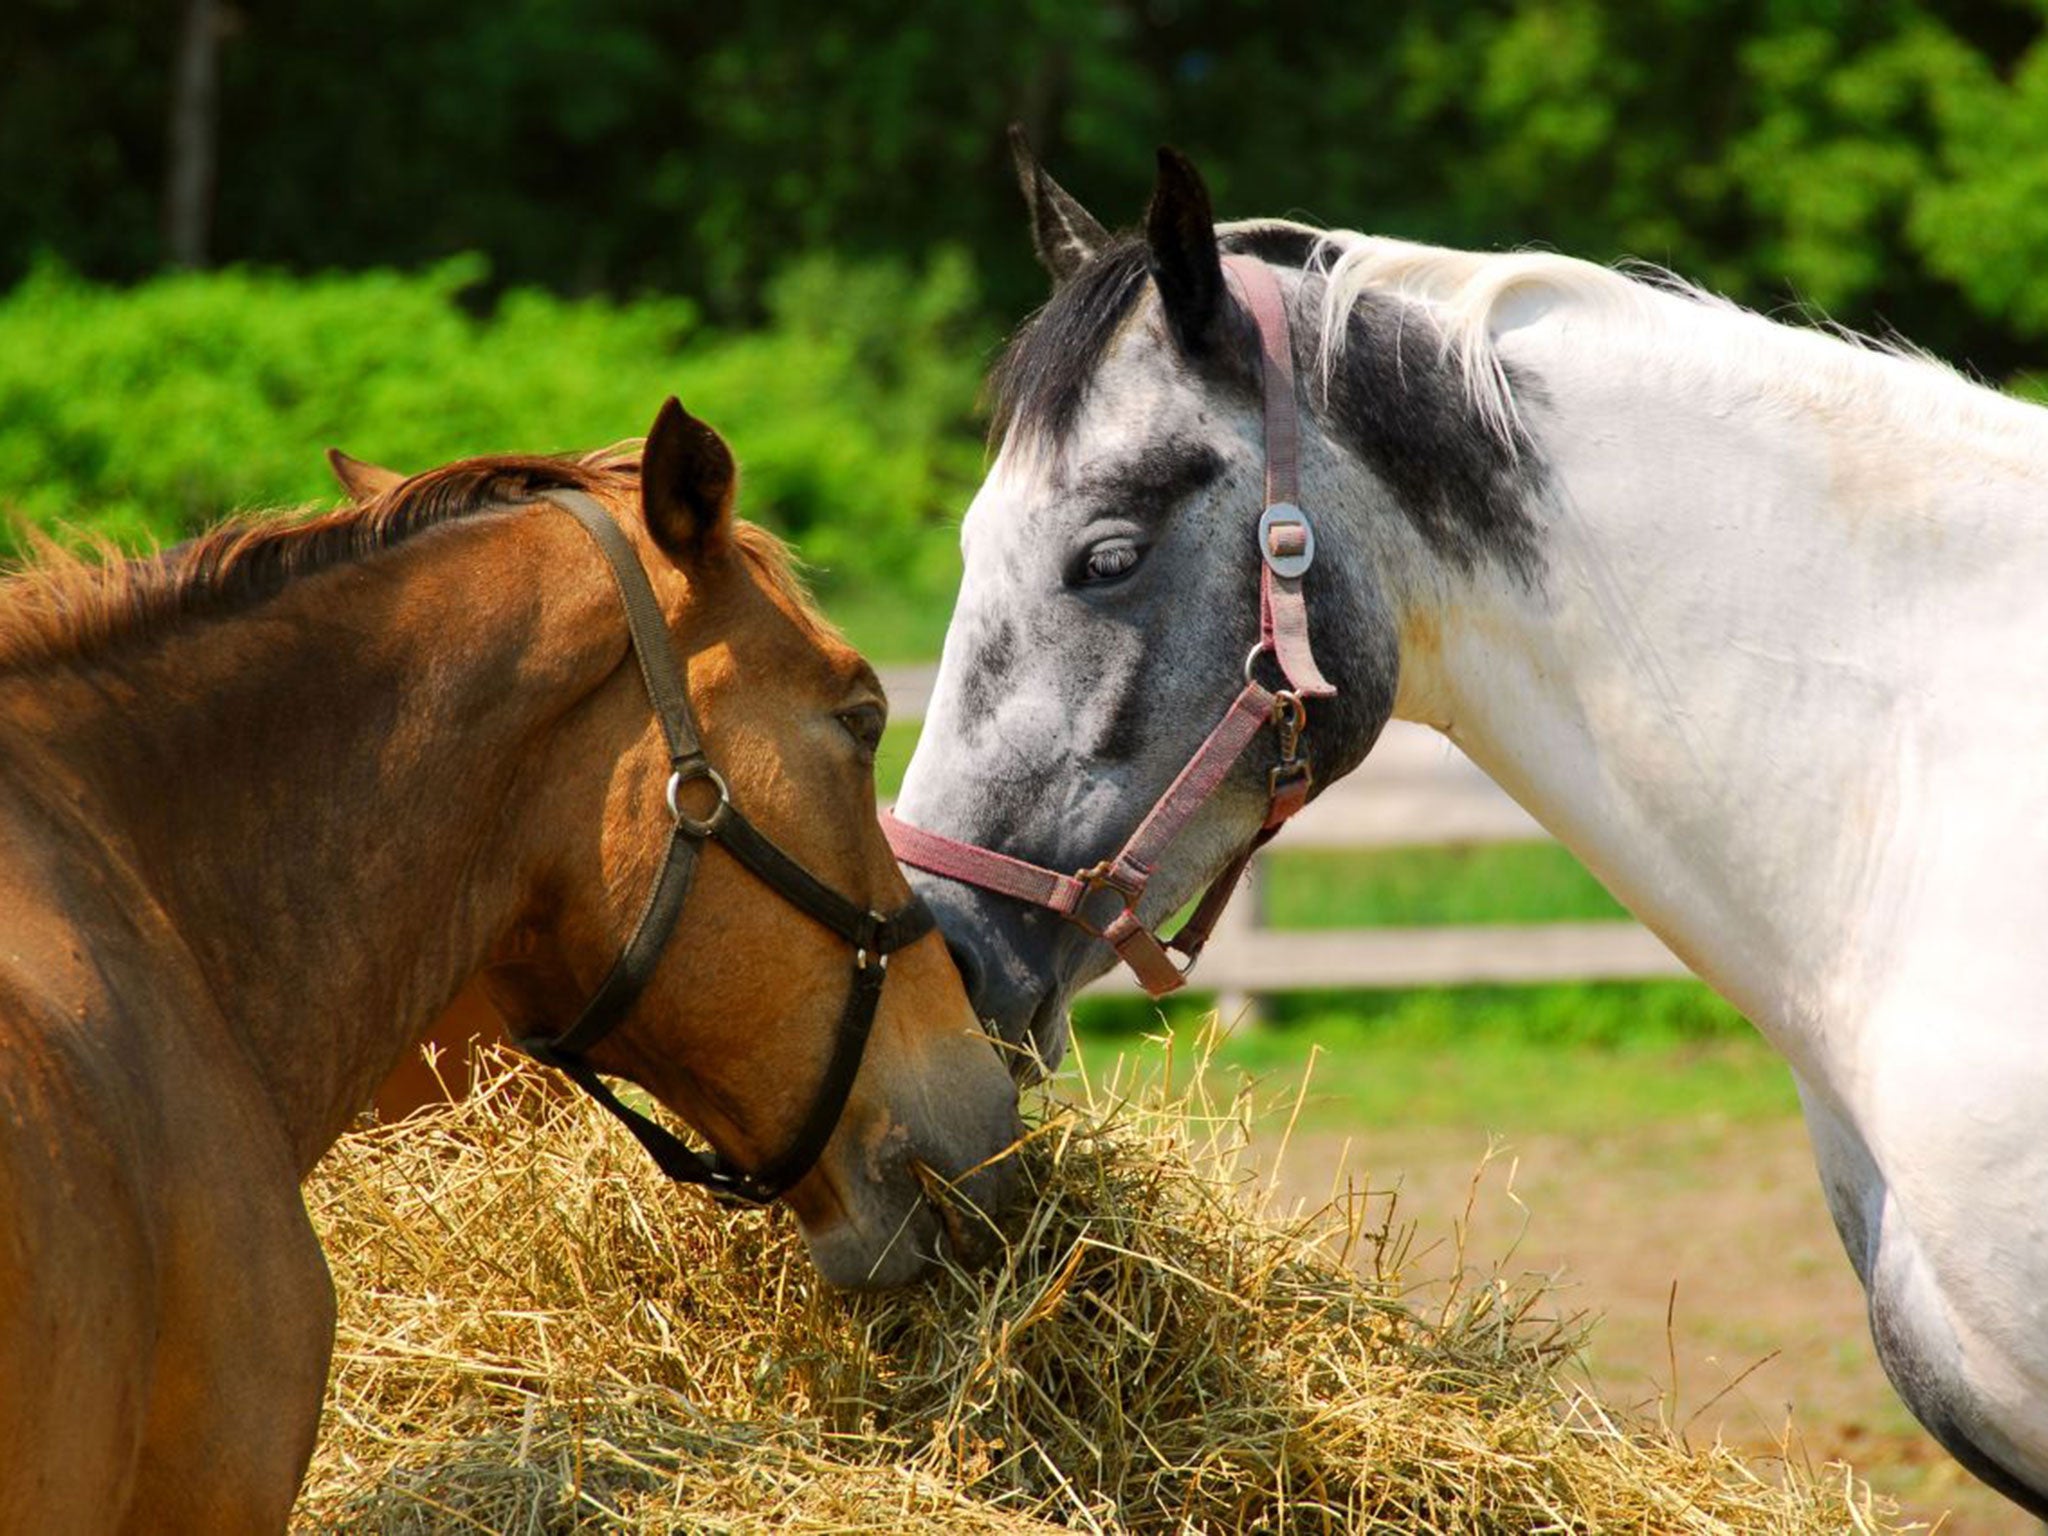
1064, 233
364, 482
1181, 231
687, 479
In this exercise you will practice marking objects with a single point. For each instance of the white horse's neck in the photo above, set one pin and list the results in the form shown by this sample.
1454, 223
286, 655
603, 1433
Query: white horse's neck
1772, 681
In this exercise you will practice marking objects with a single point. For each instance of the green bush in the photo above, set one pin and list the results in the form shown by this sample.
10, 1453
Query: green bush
146, 413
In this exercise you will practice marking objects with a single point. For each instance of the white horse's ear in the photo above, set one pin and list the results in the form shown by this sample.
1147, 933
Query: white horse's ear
362, 481
1065, 234
688, 483
1180, 228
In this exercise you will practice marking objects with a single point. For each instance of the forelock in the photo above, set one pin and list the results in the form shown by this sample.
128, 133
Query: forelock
1041, 381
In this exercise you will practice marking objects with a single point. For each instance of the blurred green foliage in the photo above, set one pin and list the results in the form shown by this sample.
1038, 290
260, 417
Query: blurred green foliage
823, 195
147, 412
1882, 158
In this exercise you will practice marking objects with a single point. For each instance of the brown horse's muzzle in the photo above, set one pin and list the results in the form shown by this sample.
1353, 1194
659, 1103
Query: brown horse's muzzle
925, 1174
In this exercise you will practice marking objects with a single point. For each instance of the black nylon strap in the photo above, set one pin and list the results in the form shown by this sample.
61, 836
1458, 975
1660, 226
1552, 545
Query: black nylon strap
623, 983
659, 669
803, 890
874, 936
686, 1165
856, 1023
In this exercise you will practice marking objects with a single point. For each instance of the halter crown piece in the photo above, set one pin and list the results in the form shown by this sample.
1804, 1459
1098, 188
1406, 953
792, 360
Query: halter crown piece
1103, 899
873, 936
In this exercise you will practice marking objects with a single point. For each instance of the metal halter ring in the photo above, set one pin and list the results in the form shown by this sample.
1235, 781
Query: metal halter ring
1251, 659
719, 812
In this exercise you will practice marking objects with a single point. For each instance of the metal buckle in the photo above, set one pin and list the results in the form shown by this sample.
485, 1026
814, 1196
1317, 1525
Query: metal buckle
719, 812
1098, 878
1285, 514
1285, 775
1104, 877
1290, 716
861, 950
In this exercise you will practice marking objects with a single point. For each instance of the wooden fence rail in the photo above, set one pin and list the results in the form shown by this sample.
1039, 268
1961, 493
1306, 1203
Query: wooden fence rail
1416, 789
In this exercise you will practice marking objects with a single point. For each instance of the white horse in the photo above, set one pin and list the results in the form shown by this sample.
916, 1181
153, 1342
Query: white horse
1753, 618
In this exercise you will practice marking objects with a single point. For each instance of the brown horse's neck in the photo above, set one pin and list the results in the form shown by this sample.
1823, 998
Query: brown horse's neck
325, 801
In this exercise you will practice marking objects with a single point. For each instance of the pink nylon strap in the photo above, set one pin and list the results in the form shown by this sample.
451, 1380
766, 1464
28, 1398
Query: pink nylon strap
1128, 872
1249, 713
1139, 948
1283, 612
1288, 796
984, 867
1259, 290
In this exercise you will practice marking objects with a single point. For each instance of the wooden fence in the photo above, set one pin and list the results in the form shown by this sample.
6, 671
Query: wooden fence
1416, 789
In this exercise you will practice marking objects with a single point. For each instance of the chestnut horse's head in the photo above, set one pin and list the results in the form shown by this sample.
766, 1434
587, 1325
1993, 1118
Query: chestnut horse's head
739, 1019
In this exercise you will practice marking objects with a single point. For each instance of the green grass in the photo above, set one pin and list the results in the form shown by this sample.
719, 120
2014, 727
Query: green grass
1599, 1015
1573, 1059
892, 757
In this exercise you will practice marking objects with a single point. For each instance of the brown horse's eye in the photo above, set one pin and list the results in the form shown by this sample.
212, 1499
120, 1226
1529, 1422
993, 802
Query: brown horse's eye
864, 724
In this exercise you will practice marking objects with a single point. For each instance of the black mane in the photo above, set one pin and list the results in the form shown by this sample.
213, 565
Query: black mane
1042, 377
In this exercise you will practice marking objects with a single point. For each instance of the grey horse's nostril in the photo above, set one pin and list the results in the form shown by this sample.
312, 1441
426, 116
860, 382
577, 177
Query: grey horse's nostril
971, 974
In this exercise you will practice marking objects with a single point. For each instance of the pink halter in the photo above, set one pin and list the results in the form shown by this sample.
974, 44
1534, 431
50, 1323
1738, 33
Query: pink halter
1287, 547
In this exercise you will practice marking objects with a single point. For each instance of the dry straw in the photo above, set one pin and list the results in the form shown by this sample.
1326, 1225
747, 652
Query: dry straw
538, 1334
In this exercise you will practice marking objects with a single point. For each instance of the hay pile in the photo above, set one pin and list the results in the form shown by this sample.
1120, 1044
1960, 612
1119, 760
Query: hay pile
538, 1334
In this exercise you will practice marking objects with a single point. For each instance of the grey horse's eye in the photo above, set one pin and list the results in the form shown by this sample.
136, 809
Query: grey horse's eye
1110, 562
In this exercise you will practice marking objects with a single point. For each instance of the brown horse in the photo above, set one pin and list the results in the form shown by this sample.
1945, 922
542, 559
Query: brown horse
266, 803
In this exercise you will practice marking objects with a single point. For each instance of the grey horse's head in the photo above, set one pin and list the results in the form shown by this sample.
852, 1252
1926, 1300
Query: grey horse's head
1111, 590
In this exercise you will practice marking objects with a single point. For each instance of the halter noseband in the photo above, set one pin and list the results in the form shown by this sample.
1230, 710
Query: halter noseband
873, 936
1103, 899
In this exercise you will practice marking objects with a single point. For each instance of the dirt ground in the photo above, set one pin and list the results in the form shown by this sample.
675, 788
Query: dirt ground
1767, 1319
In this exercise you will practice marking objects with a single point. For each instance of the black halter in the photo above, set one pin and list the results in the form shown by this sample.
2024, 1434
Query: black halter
873, 936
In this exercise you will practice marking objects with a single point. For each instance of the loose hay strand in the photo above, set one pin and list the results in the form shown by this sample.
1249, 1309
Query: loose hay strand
539, 1334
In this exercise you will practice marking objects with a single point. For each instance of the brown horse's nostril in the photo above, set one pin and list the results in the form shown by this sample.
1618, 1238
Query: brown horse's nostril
973, 1234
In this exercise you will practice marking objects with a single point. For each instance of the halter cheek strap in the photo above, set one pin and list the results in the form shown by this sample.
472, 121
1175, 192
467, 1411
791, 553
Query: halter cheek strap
1104, 898
873, 936
1287, 541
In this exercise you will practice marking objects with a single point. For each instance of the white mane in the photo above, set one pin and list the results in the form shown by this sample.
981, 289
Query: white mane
1713, 340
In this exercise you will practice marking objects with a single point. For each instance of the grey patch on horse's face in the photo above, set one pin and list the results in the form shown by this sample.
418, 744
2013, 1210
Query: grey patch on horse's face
1043, 377
1394, 398
1150, 484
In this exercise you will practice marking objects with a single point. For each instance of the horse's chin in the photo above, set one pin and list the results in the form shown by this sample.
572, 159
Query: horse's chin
877, 1255
851, 1258
1033, 1034
878, 1235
